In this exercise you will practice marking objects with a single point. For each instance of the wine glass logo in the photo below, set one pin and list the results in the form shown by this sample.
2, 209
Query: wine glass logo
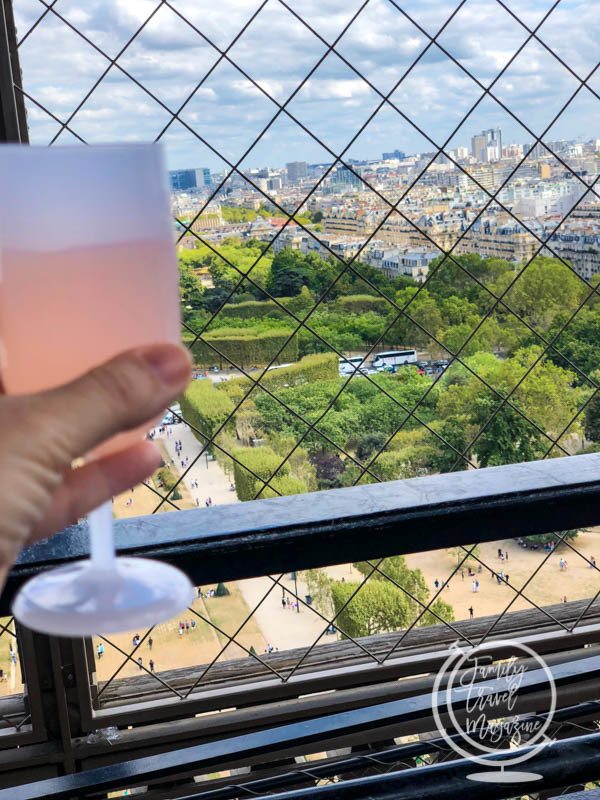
485, 692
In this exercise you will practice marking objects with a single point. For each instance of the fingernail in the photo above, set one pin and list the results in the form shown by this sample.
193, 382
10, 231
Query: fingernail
169, 362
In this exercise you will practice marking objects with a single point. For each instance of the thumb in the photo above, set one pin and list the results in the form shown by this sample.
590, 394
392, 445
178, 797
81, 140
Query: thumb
117, 396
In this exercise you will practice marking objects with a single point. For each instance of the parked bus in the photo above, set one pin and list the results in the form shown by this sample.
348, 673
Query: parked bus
394, 358
350, 365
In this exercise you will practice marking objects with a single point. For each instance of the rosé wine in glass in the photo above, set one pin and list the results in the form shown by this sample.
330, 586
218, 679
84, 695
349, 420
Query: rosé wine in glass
87, 270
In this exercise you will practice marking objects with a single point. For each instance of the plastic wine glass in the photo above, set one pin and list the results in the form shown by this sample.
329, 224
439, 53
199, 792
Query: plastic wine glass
88, 270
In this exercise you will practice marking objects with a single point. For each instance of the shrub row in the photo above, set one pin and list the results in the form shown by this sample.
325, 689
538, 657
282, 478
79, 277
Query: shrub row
252, 309
245, 347
315, 367
205, 408
263, 462
362, 303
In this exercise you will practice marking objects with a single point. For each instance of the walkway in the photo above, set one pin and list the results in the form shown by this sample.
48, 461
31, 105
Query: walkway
212, 481
281, 628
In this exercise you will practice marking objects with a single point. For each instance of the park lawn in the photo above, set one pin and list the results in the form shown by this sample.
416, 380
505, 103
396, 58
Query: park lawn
229, 613
169, 649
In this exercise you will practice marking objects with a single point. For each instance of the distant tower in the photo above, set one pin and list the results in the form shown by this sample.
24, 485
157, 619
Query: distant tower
296, 171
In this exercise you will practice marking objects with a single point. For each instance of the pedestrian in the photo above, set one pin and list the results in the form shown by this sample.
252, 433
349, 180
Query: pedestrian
187, 625
181, 631
139, 661
100, 650
462, 574
592, 562
470, 612
150, 642
565, 599
193, 623
475, 585
436, 583
151, 665
499, 552
206, 503
197, 501
283, 603
506, 555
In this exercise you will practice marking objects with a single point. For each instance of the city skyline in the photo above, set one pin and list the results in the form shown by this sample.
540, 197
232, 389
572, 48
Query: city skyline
277, 51
406, 154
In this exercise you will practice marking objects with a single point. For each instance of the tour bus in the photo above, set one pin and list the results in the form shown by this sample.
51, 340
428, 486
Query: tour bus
350, 364
394, 358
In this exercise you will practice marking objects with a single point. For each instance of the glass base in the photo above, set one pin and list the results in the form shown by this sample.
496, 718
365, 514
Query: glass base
81, 599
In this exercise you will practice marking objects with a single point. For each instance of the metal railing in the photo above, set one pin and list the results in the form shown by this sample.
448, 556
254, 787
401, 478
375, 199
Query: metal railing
567, 489
169, 711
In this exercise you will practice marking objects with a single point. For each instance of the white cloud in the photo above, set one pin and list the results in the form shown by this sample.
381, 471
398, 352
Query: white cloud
169, 58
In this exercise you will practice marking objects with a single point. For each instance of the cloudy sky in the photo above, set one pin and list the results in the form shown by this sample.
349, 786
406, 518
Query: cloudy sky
178, 60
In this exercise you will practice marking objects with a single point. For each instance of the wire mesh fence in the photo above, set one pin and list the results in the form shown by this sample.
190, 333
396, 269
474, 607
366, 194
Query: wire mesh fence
478, 263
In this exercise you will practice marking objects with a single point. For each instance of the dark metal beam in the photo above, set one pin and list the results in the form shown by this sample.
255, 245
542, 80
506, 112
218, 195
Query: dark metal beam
342, 525
13, 122
193, 760
561, 763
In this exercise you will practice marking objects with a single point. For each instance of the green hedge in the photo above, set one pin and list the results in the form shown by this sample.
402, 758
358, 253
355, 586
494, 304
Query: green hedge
252, 309
316, 367
245, 347
206, 408
263, 462
362, 303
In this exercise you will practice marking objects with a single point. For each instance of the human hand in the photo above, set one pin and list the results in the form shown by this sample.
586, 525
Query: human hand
42, 434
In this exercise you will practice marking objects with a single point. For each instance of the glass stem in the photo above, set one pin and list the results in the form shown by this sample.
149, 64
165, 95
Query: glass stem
102, 542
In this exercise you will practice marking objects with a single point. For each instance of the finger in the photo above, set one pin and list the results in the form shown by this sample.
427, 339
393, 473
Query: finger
119, 395
87, 487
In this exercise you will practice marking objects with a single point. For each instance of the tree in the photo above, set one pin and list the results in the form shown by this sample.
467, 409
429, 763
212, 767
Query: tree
329, 468
369, 444
459, 554
592, 418
424, 310
567, 536
288, 274
221, 590
446, 459
440, 611
377, 606
544, 290
318, 584
190, 290
507, 438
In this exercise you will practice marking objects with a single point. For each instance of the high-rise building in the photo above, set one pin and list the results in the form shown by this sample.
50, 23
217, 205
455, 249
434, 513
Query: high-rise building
344, 176
203, 177
394, 154
182, 179
487, 145
296, 171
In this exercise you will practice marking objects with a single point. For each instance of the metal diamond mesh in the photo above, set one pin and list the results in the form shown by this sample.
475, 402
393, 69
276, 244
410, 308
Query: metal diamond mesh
279, 103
